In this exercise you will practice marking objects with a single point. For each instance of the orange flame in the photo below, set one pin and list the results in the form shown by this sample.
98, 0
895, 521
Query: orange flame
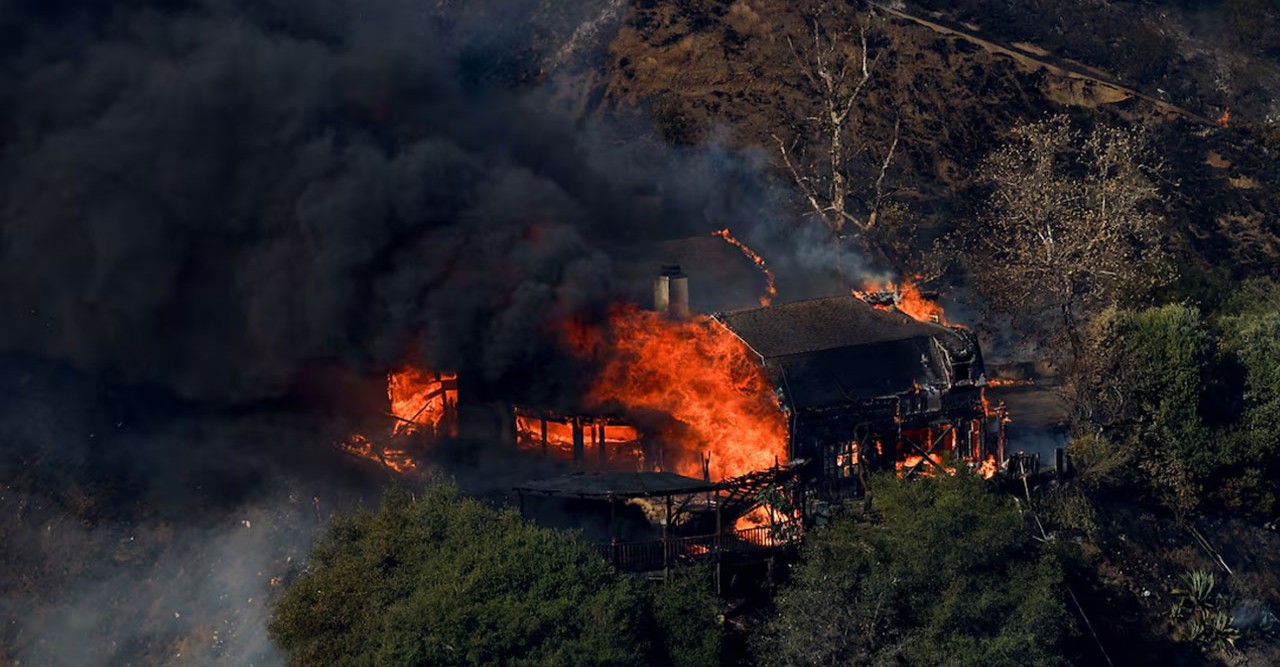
421, 398
1008, 382
559, 433
988, 468
782, 528
1224, 121
422, 402
917, 463
699, 374
906, 298
770, 291
395, 458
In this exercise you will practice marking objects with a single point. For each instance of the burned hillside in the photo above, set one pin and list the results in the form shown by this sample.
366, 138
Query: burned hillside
260, 261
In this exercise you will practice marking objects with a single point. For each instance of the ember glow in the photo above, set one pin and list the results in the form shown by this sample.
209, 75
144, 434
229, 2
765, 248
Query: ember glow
559, 433
904, 296
778, 527
392, 456
770, 290
931, 447
1006, 382
1224, 121
916, 463
697, 372
551, 434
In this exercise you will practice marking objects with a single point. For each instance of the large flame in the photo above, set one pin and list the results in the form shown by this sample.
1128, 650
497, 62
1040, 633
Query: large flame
694, 371
422, 402
904, 296
421, 398
769, 291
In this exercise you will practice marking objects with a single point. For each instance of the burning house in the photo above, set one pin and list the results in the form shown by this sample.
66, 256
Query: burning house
867, 388
848, 384
700, 437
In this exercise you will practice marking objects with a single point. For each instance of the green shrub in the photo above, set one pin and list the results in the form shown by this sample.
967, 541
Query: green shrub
1100, 462
946, 574
438, 579
686, 615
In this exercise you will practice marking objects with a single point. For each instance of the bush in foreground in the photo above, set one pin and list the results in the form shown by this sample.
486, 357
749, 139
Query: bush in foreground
945, 574
438, 579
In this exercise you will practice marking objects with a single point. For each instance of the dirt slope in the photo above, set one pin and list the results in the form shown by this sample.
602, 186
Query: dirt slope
699, 67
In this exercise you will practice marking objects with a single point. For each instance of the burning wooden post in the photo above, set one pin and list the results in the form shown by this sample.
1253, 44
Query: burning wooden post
578, 444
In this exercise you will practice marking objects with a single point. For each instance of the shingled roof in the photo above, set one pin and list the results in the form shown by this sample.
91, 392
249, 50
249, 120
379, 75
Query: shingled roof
823, 324
838, 349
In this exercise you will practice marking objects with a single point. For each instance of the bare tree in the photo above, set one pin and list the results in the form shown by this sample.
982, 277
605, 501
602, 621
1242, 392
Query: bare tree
1071, 226
837, 64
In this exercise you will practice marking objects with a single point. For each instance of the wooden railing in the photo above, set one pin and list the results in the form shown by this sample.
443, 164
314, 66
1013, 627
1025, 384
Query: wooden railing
657, 554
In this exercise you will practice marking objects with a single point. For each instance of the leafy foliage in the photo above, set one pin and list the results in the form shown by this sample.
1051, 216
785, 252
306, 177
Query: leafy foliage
1195, 400
1068, 506
945, 574
1153, 364
686, 620
1099, 462
1195, 609
437, 579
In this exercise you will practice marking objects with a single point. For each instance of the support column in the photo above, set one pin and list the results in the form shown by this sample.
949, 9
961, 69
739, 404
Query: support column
666, 528
718, 542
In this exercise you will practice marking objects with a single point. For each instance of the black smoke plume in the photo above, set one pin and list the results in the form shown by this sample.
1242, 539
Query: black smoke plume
209, 196
208, 205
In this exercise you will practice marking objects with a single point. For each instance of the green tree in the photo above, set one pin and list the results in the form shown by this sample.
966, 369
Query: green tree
1250, 350
945, 574
437, 579
1147, 373
1152, 365
1253, 341
1195, 401
686, 619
